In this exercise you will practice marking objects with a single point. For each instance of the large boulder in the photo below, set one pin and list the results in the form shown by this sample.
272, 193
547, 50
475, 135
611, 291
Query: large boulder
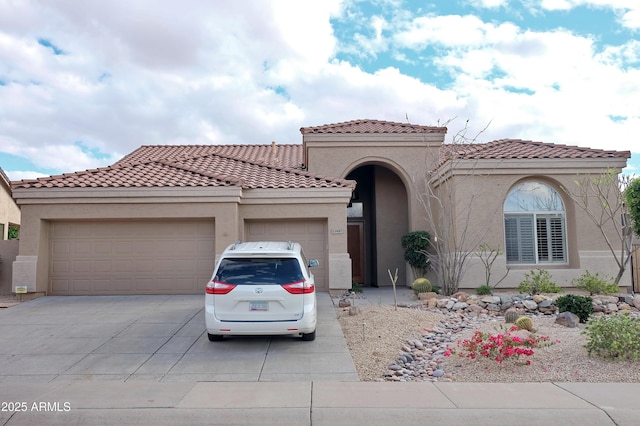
568, 319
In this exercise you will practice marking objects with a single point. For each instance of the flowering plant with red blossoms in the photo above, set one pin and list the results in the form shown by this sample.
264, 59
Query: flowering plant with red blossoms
499, 346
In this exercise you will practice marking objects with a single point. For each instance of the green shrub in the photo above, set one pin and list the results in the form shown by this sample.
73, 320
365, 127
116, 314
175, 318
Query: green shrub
416, 245
614, 336
595, 284
632, 196
484, 289
538, 281
435, 288
356, 288
582, 306
421, 285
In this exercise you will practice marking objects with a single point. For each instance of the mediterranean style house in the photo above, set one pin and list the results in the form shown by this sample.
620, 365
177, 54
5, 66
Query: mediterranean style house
154, 222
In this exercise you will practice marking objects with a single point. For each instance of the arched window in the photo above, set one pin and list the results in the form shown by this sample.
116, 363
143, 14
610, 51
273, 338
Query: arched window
534, 225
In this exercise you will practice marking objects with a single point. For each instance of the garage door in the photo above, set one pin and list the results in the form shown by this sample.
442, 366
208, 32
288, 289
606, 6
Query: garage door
133, 257
311, 234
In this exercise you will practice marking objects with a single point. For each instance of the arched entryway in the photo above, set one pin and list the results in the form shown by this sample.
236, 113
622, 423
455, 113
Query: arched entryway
377, 218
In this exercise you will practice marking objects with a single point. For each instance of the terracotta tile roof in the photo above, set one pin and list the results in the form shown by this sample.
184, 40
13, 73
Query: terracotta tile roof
196, 166
289, 156
523, 149
372, 126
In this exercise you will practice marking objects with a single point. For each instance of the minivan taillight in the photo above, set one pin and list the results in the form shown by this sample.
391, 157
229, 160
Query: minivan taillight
300, 287
216, 287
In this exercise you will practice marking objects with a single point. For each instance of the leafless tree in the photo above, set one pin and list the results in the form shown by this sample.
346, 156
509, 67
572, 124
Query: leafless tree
448, 215
602, 199
488, 256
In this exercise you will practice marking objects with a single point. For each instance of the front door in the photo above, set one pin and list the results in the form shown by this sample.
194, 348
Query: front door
355, 246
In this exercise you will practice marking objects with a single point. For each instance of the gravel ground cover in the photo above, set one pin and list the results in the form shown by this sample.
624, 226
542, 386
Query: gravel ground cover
376, 334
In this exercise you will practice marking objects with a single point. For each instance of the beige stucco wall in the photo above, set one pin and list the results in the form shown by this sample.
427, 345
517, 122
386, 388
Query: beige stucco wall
410, 156
391, 225
483, 192
229, 206
9, 211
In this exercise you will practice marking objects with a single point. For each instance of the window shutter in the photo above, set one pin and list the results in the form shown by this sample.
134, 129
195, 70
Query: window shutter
527, 240
556, 228
543, 239
519, 239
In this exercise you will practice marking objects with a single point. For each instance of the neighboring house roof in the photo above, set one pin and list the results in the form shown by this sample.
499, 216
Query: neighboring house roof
4, 179
196, 166
523, 149
372, 126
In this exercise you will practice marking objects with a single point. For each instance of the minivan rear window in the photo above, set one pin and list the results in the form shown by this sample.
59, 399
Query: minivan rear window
252, 271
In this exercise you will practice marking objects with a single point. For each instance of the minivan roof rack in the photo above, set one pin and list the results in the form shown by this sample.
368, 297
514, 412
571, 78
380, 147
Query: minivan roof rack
235, 245
290, 245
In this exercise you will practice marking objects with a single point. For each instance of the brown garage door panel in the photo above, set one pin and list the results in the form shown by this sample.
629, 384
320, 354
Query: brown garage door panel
145, 257
310, 233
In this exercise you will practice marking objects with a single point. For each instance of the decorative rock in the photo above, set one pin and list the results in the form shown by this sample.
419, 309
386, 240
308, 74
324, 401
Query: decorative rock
490, 299
506, 304
344, 303
353, 310
568, 319
545, 303
612, 307
624, 307
539, 298
459, 305
461, 296
442, 303
475, 309
427, 296
636, 301
608, 299
530, 305
493, 307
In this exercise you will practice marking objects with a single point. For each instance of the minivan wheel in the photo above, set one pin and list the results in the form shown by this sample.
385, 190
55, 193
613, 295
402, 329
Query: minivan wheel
308, 337
215, 337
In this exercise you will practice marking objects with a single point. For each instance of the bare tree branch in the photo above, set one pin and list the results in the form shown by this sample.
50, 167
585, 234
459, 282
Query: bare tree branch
602, 199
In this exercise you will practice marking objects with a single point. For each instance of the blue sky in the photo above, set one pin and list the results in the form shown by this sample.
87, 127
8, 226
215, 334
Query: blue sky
84, 83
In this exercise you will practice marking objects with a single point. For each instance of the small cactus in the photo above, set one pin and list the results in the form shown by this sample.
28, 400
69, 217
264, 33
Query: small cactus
510, 315
421, 285
525, 323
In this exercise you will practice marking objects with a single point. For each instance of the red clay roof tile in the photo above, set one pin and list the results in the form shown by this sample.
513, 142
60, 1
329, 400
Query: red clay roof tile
523, 149
372, 126
277, 166
248, 166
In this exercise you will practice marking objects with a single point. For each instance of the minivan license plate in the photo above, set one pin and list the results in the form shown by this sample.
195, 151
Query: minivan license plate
258, 306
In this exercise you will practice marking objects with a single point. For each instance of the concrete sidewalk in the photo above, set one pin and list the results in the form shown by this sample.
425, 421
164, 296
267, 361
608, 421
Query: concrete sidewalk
321, 403
146, 360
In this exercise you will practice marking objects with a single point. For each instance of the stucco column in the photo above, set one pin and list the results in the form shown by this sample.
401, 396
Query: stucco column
339, 259
228, 229
30, 268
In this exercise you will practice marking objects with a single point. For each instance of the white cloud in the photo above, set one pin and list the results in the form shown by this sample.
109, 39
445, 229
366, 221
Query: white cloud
135, 73
489, 4
22, 174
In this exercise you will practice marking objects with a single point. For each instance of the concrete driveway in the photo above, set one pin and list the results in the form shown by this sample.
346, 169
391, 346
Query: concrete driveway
156, 338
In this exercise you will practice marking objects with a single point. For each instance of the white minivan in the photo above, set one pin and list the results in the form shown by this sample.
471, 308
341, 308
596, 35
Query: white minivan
261, 288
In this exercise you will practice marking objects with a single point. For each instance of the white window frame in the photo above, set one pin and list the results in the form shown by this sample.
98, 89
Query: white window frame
560, 257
